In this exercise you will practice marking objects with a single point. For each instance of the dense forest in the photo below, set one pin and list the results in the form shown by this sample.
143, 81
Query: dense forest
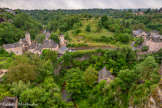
71, 81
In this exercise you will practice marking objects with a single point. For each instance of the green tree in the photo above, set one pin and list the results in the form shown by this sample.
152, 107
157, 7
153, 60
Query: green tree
160, 31
18, 88
39, 38
75, 83
145, 48
50, 55
88, 28
90, 76
55, 38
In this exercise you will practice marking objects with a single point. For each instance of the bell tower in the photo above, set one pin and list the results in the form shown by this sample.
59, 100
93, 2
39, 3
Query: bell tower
62, 40
27, 37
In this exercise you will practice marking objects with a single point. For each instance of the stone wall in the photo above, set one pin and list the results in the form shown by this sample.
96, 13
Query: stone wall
17, 50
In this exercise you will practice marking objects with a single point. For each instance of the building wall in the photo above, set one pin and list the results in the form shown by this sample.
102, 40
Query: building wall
153, 46
17, 50
53, 49
28, 39
62, 41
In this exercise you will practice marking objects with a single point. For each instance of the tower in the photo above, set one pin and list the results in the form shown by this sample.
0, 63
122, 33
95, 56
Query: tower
62, 40
27, 37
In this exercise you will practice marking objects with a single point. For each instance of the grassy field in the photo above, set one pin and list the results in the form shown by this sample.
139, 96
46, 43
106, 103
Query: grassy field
88, 38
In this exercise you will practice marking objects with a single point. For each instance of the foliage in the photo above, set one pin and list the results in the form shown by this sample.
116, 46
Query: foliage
50, 55
39, 38
145, 48
55, 38
90, 76
88, 28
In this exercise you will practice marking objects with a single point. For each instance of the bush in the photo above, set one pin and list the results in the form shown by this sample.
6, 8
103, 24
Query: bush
145, 48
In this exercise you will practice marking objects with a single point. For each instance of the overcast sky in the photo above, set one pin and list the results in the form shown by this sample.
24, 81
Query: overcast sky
79, 4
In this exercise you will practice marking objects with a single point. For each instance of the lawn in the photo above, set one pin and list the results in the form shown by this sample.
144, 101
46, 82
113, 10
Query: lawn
88, 38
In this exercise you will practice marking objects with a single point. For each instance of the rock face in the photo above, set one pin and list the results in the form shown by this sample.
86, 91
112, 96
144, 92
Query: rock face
155, 100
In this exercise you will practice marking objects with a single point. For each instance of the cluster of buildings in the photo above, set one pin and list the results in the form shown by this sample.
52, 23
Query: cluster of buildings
26, 44
151, 39
139, 13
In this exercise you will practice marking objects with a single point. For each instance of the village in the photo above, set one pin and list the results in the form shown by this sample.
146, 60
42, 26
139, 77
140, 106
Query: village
26, 44
151, 39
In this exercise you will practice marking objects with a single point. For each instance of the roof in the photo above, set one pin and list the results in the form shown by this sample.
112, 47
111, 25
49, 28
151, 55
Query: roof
49, 44
137, 32
63, 49
154, 31
48, 34
13, 45
39, 47
104, 73
32, 46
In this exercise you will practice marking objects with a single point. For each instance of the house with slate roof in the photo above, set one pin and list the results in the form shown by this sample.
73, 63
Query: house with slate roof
104, 74
26, 44
139, 33
152, 39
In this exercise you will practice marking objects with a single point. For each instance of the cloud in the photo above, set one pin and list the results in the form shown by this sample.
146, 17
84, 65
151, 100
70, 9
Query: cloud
79, 4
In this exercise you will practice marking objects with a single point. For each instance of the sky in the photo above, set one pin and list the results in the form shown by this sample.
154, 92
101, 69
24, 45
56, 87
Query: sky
80, 4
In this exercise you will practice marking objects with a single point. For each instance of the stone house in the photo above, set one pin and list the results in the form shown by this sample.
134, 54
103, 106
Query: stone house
14, 47
9, 102
139, 13
152, 39
104, 74
26, 44
139, 33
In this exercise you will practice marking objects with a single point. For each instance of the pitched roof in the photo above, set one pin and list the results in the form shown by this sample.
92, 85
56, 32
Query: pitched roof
154, 31
49, 44
32, 46
13, 45
104, 73
62, 49
39, 47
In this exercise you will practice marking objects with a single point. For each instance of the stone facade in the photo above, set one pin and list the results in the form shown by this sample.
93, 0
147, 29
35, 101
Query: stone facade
152, 39
62, 40
26, 44
104, 74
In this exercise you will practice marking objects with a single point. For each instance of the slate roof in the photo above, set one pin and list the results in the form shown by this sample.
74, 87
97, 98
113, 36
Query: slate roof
63, 49
48, 34
32, 46
104, 73
155, 31
13, 45
137, 32
39, 47
49, 44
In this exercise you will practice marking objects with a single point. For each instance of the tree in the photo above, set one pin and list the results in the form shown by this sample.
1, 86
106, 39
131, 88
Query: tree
145, 48
75, 83
140, 26
104, 18
90, 76
4, 91
50, 55
18, 88
55, 38
39, 38
160, 31
21, 69
88, 28
46, 95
